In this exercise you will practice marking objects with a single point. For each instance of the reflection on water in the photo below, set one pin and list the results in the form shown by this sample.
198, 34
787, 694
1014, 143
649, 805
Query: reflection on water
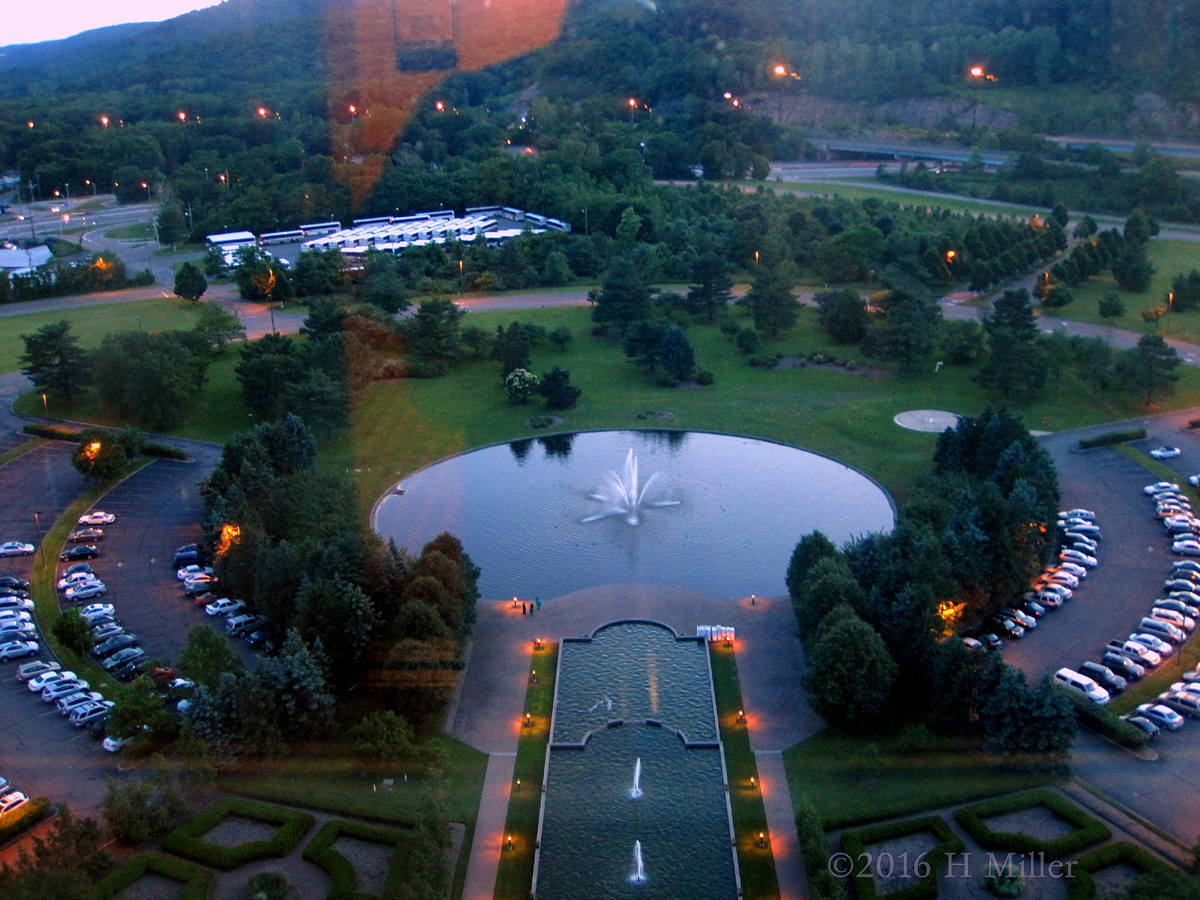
520, 510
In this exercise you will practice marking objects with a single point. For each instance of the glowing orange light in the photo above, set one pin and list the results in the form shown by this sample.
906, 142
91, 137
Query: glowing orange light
950, 254
440, 106
353, 110
728, 96
262, 112
229, 535
781, 70
182, 116
104, 121
222, 177
30, 124
737, 103
633, 103
92, 450
977, 71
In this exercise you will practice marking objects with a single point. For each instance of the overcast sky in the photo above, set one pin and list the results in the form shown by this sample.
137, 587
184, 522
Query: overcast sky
28, 23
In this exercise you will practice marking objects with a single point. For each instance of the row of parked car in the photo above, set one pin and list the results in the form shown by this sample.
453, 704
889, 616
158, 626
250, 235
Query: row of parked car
199, 582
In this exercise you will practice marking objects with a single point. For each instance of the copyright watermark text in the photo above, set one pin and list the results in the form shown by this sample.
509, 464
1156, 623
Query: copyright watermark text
958, 865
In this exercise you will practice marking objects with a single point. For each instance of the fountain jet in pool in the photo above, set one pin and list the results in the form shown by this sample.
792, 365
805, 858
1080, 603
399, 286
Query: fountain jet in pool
622, 496
639, 876
636, 793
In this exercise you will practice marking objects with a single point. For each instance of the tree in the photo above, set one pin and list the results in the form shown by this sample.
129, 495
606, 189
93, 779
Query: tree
962, 342
812, 549
913, 323
843, 315
512, 348
142, 810
340, 616
643, 342
710, 292
1034, 727
172, 225
1016, 365
63, 862
55, 362
1060, 216
770, 300
830, 583
435, 329
98, 456
1132, 269
214, 262
190, 283
1139, 227
319, 272
850, 674
629, 227
154, 378
207, 656
519, 385
73, 631
1148, 370
624, 296
139, 709
267, 367
383, 733
322, 401
556, 387
678, 357
217, 327
1111, 306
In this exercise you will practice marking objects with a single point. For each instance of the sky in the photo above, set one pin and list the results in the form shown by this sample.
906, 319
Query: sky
29, 23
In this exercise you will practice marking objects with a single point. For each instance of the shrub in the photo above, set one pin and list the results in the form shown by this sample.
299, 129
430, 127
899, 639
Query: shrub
1087, 830
703, 376
343, 880
268, 886
197, 882
1103, 721
162, 451
428, 368
814, 847
746, 340
561, 337
1112, 437
21, 819
1083, 885
53, 432
1111, 306
188, 841
519, 385
926, 888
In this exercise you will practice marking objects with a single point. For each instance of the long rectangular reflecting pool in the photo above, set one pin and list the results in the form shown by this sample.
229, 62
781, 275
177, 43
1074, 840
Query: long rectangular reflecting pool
634, 803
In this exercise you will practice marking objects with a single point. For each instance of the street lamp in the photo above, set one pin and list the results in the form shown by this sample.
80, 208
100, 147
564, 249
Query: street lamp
978, 74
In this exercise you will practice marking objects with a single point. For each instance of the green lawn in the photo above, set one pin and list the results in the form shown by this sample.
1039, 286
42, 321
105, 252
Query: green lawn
848, 784
219, 411
334, 779
907, 196
92, 323
139, 232
1169, 258
756, 864
400, 426
524, 803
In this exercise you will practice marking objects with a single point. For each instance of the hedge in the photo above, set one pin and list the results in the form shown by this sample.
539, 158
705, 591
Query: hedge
1105, 722
1112, 437
343, 881
855, 843
21, 819
62, 433
188, 841
197, 882
814, 848
163, 451
1087, 831
1083, 885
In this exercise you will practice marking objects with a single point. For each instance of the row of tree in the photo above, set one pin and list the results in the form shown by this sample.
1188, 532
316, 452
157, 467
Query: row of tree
105, 271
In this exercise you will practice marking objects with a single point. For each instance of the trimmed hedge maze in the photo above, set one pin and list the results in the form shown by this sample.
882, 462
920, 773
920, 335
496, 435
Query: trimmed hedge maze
343, 881
1083, 885
188, 841
1088, 831
926, 888
197, 882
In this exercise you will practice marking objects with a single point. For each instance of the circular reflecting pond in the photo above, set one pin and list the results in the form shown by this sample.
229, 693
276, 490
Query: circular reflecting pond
715, 513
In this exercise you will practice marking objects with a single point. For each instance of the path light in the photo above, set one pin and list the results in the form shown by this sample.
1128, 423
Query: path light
752, 784
741, 717
514, 606
528, 720
104, 121
182, 116
537, 645
762, 839
508, 843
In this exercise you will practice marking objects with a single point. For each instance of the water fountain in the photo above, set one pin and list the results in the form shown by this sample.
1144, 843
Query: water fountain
636, 793
622, 496
639, 875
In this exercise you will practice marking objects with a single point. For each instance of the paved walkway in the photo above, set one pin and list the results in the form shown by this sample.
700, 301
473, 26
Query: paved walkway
487, 845
781, 822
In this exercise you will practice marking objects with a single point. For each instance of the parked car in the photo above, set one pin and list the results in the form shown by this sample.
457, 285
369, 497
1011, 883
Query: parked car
85, 591
97, 517
1186, 548
68, 704
1104, 676
1139, 653
1180, 620
130, 669
17, 631
85, 535
224, 606
78, 552
1082, 543
113, 644
92, 610
1159, 486
1045, 598
1123, 665
1143, 723
199, 585
15, 548
1064, 578
12, 581
1081, 684
1165, 452
1177, 603
77, 567
11, 650
38, 667
61, 688
15, 615
123, 657
1078, 526
1186, 687
240, 624
1032, 608
114, 744
1082, 558
9, 802
1186, 574
1073, 568
76, 578
1078, 514
191, 571
260, 640
1162, 716
1057, 589
1164, 631
16, 603
102, 633
186, 555
1027, 621
85, 714
1187, 705
1005, 626
1153, 642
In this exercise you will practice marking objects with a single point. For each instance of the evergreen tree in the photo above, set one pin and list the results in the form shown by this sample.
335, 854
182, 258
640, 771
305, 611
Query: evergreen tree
1148, 370
1132, 269
771, 301
829, 583
644, 342
55, 362
172, 225
624, 296
913, 323
512, 348
850, 674
678, 357
190, 283
811, 549
710, 292
556, 387
843, 315
435, 329
1016, 364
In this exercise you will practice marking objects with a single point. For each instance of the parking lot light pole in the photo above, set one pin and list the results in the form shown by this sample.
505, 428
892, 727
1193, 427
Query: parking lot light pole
37, 520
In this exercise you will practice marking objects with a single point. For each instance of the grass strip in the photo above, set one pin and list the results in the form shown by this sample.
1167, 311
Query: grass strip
45, 594
1087, 830
189, 842
1083, 885
1145, 823
756, 864
20, 450
197, 882
925, 887
343, 880
524, 803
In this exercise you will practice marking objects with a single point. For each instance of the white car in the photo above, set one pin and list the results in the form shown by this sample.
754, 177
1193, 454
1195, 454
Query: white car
15, 548
1162, 716
89, 712
1186, 687
16, 603
1078, 514
40, 682
1194, 480
1186, 548
14, 615
113, 744
1060, 590
1159, 487
52, 692
1063, 578
68, 704
76, 579
189, 571
1178, 619
92, 610
86, 591
1074, 568
9, 802
17, 631
1152, 642
1077, 556
97, 517
34, 669
1166, 452
224, 607
18, 649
